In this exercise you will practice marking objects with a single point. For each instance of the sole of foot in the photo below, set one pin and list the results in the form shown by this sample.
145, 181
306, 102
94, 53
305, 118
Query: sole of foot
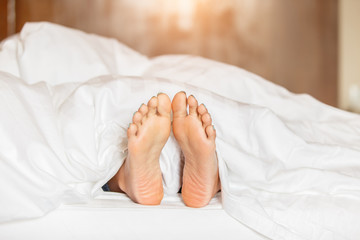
196, 136
140, 175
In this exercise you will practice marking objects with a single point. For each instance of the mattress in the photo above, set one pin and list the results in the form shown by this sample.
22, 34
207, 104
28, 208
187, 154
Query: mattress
115, 216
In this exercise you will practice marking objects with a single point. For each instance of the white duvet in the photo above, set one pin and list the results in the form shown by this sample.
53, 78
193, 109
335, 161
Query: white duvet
289, 165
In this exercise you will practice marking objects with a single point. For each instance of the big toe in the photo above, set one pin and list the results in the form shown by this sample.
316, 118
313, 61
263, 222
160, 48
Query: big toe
164, 104
179, 105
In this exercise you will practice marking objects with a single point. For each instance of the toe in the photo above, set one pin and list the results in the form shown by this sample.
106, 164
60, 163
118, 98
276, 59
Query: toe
143, 109
193, 104
206, 119
164, 104
137, 119
202, 109
152, 105
210, 132
131, 132
179, 105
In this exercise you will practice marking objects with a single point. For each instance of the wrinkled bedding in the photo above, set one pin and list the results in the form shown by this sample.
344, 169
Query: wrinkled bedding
289, 165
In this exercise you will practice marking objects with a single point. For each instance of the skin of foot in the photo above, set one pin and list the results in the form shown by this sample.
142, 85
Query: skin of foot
196, 135
140, 175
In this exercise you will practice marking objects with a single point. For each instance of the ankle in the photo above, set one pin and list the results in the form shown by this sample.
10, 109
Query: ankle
117, 182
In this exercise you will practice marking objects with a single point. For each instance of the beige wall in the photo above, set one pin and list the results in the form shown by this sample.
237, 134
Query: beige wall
349, 55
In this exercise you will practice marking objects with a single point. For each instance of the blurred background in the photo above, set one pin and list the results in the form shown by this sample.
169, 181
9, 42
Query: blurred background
307, 46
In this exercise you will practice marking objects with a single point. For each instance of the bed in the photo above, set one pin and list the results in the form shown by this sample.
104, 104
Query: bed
289, 165
114, 216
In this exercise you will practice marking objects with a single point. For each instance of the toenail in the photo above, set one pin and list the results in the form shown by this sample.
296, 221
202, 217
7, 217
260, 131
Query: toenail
160, 93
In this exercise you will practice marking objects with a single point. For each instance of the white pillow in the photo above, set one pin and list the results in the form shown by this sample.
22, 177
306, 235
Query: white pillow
56, 54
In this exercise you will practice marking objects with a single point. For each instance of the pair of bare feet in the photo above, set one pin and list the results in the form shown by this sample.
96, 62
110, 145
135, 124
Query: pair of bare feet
140, 175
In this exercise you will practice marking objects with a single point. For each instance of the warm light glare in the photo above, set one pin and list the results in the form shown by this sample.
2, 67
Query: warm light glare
184, 9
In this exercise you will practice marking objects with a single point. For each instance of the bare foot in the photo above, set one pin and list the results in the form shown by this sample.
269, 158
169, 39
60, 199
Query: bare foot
196, 137
140, 175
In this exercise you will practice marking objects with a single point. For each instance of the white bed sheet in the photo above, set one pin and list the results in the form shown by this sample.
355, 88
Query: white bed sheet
114, 216
289, 165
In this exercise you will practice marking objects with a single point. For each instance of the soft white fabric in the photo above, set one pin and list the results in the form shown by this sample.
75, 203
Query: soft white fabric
289, 165
113, 216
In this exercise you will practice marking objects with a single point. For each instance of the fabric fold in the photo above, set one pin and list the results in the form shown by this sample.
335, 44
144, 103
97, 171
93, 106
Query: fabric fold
289, 165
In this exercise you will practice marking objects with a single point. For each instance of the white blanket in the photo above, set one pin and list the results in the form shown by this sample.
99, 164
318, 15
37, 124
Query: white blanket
289, 165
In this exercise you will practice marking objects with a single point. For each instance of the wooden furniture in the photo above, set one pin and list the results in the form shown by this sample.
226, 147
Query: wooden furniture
3, 19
